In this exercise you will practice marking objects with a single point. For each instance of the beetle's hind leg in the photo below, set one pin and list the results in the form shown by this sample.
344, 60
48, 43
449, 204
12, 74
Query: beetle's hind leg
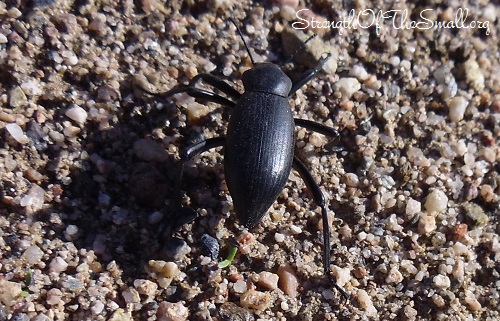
186, 215
319, 199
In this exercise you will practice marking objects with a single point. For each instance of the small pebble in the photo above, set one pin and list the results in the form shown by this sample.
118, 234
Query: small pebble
9, 292
288, 282
457, 108
77, 114
166, 269
145, 287
17, 133
168, 311
121, 315
279, 237
58, 265
211, 246
255, 299
131, 295
268, 280
97, 307
34, 198
240, 286
359, 72
473, 303
176, 248
347, 86
54, 296
366, 303
426, 224
394, 276
33, 255
473, 75
436, 201
441, 281
17, 98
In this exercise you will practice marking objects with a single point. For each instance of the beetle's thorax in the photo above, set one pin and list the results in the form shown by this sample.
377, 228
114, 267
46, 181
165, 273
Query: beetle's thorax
267, 78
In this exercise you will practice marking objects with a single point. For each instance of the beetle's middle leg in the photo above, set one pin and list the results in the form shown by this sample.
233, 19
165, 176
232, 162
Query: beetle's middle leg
217, 83
319, 199
324, 130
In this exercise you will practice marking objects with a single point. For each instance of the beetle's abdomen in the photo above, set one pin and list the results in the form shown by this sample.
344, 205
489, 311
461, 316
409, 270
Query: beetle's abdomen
258, 154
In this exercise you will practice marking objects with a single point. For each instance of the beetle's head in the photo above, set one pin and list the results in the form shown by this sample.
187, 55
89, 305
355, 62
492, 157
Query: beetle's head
267, 78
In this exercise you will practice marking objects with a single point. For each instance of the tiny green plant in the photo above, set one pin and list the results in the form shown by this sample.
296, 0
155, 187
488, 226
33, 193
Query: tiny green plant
230, 257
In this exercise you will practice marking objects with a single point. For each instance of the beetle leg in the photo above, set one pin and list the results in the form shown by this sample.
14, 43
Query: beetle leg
188, 154
319, 199
217, 83
324, 130
196, 93
317, 127
309, 74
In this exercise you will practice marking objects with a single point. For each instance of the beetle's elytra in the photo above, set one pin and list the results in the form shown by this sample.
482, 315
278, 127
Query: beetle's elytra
260, 140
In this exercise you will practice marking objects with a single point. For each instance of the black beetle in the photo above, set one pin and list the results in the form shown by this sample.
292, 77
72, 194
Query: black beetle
260, 140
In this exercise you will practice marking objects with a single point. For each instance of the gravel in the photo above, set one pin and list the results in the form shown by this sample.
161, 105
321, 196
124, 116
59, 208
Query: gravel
88, 165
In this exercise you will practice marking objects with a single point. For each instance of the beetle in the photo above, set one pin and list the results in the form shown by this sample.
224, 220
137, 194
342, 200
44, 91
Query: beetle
260, 140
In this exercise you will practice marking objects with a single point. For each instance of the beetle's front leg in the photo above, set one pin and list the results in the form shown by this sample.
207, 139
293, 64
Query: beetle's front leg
319, 199
309, 74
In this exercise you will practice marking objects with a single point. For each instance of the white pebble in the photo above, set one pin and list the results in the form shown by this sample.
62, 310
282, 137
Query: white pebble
366, 303
240, 287
347, 86
457, 108
32, 255
441, 281
131, 295
58, 265
168, 311
31, 88
278, 237
359, 72
394, 276
3, 38
77, 114
71, 230
54, 296
97, 307
268, 280
145, 287
460, 249
436, 201
17, 133
34, 198
426, 224
413, 207
295, 230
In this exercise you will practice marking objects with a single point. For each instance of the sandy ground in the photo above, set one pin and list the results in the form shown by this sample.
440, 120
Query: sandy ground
88, 163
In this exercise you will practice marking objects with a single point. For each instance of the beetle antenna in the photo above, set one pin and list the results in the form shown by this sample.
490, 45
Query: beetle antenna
242, 38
